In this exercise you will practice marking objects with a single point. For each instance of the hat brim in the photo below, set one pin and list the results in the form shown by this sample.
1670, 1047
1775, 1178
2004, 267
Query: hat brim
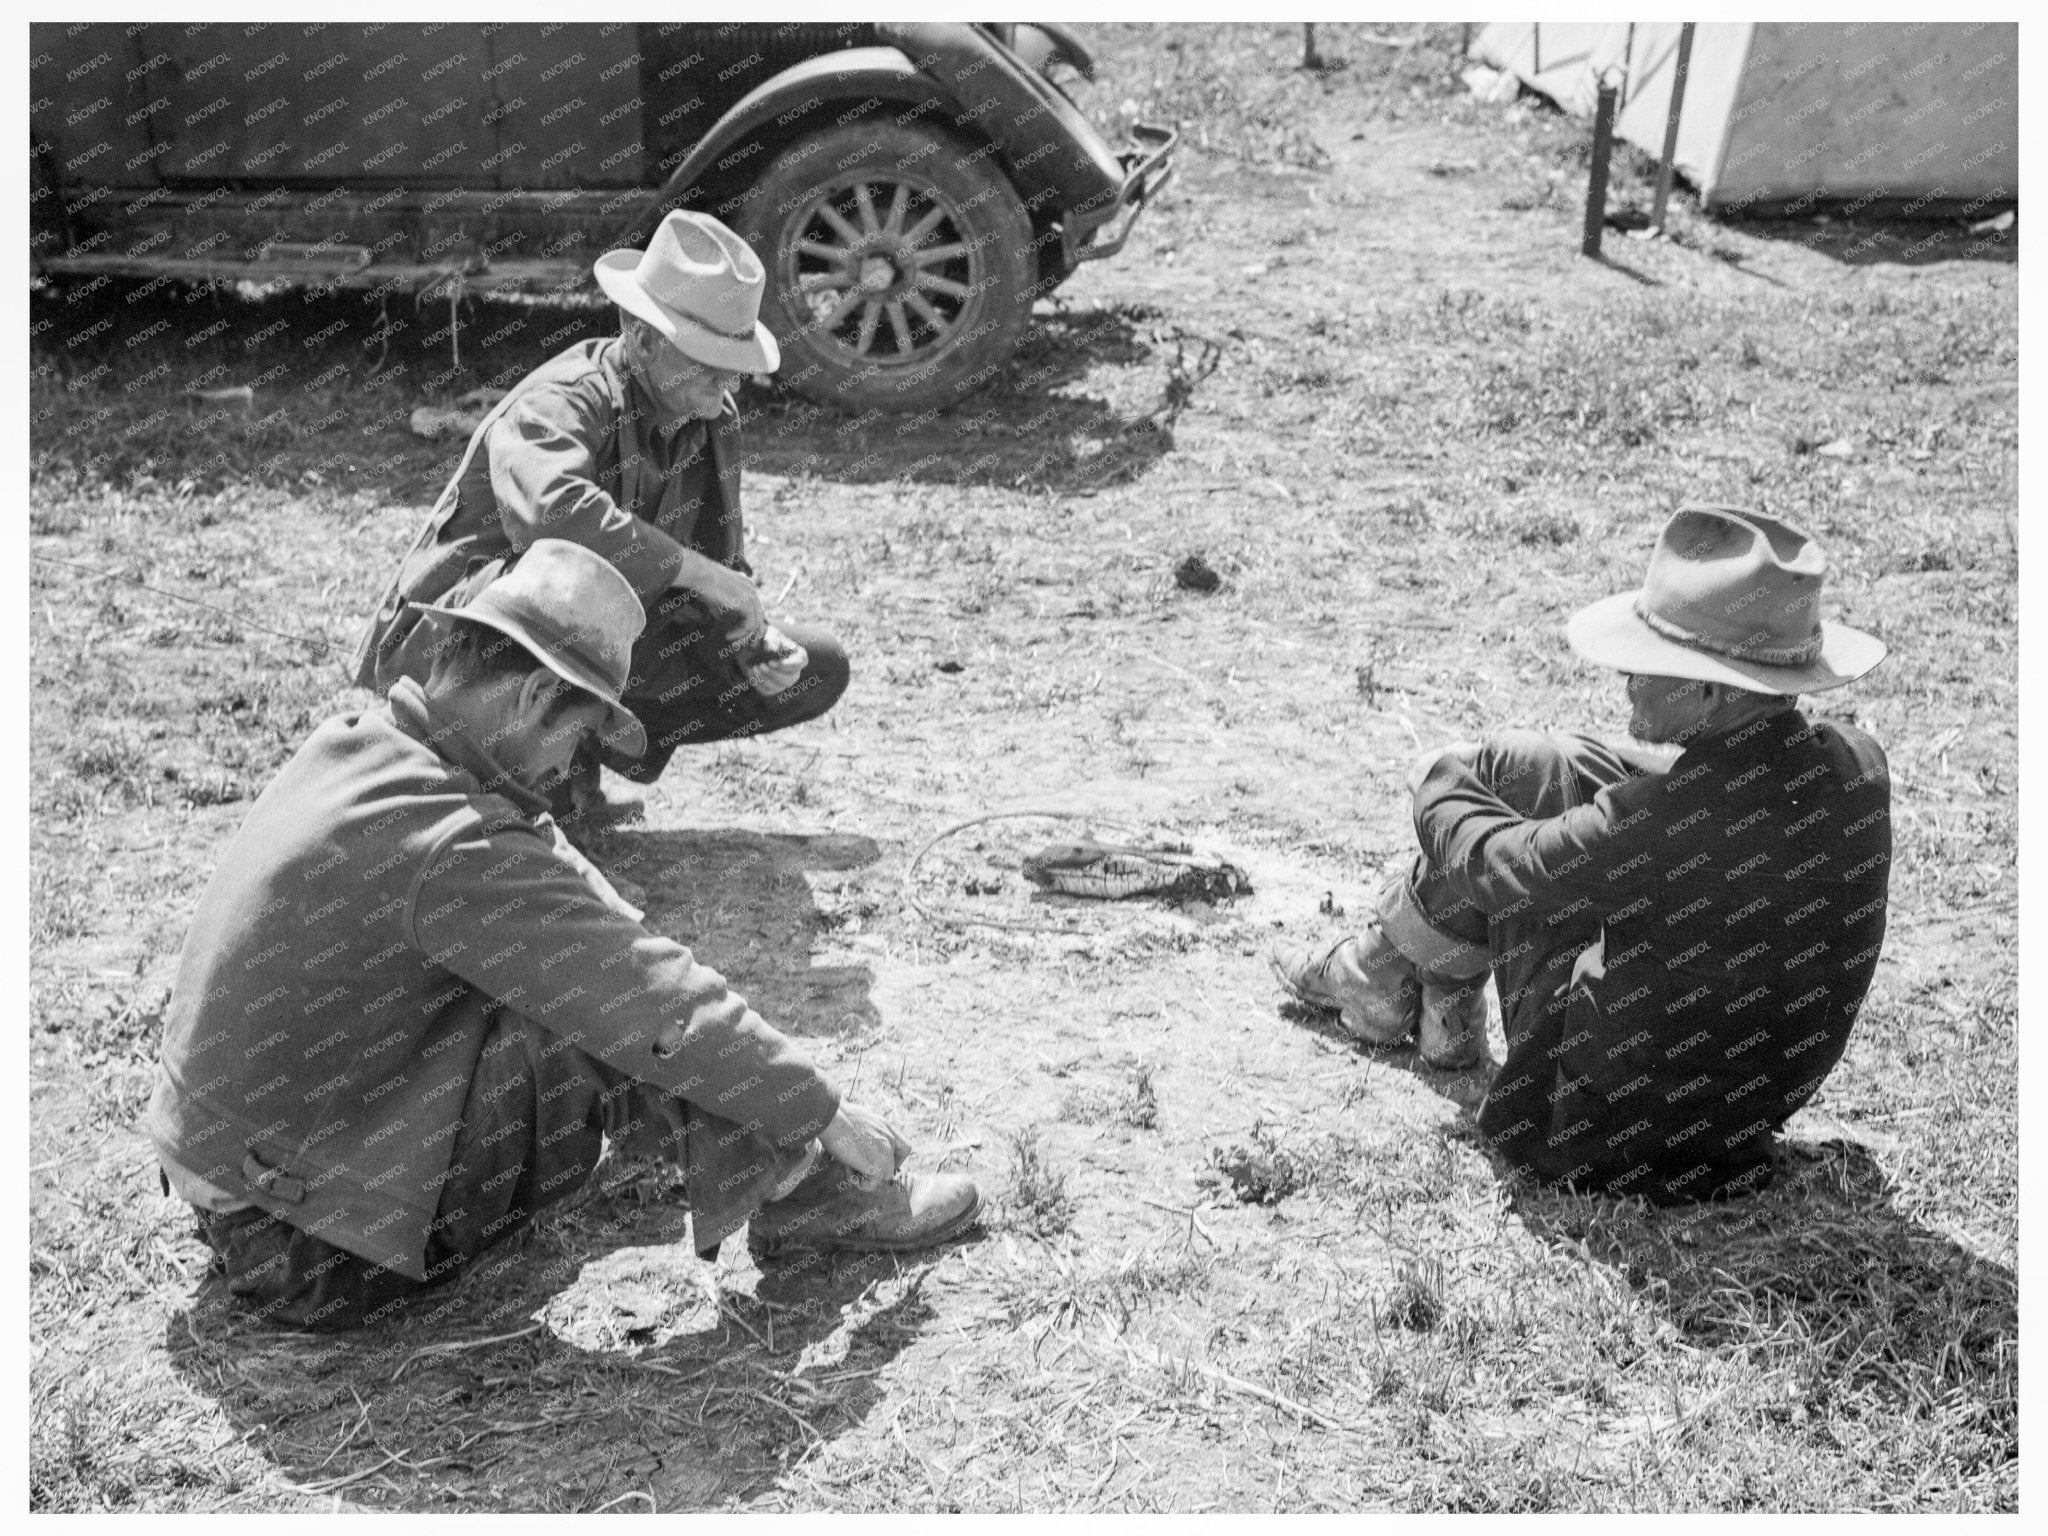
1610, 633
622, 730
618, 274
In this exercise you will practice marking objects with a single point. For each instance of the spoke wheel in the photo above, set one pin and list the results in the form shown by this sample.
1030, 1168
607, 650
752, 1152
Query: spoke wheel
897, 266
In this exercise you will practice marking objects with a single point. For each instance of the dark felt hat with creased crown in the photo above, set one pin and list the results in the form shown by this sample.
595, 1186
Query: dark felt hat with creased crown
579, 617
1731, 596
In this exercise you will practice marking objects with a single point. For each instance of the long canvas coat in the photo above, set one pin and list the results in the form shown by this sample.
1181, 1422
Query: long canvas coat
321, 1035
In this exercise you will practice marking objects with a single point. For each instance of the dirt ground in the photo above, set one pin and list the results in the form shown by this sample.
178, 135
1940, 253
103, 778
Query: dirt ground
1355, 362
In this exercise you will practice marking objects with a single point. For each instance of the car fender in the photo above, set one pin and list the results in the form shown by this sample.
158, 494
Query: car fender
811, 95
1039, 42
1052, 152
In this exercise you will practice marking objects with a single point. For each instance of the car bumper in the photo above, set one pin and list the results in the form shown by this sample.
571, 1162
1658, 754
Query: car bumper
1147, 170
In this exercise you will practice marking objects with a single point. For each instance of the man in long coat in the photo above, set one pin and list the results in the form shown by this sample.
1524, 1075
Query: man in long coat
1680, 948
408, 1014
631, 446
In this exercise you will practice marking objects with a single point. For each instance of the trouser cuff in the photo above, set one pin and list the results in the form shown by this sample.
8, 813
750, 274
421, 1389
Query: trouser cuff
1435, 954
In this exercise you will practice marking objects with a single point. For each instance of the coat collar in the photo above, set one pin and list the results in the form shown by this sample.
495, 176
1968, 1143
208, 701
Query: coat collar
1766, 732
414, 713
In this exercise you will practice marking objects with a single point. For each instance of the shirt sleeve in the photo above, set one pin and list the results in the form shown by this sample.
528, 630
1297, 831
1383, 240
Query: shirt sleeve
544, 475
1600, 855
502, 911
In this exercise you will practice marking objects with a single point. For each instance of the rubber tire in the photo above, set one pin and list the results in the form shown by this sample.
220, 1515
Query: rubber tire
1002, 264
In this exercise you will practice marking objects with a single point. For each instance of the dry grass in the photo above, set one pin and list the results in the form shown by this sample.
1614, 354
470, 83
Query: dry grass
1425, 433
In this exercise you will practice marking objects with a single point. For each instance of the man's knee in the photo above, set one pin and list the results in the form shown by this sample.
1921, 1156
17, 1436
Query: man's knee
826, 674
829, 665
1528, 769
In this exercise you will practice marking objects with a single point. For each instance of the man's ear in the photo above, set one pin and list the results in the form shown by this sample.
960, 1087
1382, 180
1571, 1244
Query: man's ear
537, 693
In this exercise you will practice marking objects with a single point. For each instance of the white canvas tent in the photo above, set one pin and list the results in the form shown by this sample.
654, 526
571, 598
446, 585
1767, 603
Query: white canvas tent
1781, 117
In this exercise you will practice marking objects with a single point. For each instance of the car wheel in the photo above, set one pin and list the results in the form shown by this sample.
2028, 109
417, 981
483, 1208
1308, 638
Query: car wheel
900, 268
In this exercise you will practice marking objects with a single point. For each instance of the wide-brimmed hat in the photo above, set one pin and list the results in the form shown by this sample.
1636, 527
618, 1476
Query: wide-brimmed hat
579, 617
700, 285
1731, 596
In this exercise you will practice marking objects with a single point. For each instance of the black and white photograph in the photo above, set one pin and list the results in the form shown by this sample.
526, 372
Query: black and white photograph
1177, 766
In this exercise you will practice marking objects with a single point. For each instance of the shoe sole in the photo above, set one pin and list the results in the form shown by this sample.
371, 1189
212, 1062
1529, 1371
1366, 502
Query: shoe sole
780, 1248
1450, 1063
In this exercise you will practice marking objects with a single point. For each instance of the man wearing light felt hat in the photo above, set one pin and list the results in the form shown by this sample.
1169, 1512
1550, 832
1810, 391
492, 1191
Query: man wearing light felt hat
408, 1014
1680, 946
631, 447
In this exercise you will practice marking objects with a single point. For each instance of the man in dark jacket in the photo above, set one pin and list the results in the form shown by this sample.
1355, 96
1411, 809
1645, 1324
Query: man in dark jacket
631, 446
408, 1013
1679, 950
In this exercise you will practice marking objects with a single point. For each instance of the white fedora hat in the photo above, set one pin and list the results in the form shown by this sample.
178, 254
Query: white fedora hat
700, 285
1731, 596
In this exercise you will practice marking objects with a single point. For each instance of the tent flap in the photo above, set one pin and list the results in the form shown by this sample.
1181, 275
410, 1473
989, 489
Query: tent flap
1778, 117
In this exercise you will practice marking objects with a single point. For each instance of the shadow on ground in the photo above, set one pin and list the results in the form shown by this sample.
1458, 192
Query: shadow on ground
1464, 1087
1889, 242
586, 1363
467, 1401
309, 392
1866, 1300
741, 903
1033, 427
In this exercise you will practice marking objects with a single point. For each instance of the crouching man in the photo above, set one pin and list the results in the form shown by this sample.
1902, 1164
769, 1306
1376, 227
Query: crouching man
408, 1014
632, 446
1679, 950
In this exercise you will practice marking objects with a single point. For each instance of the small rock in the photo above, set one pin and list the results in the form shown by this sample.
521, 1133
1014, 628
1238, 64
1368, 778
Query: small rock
1840, 448
1194, 574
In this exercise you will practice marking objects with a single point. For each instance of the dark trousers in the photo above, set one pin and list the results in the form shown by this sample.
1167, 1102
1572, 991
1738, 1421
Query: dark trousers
684, 682
1532, 956
536, 1117
687, 688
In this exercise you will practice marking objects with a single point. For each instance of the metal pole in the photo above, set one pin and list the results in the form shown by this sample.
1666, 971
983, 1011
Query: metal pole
1664, 166
1596, 185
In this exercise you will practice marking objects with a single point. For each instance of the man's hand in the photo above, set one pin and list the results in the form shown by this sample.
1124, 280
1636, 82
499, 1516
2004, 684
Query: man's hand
729, 600
777, 665
866, 1143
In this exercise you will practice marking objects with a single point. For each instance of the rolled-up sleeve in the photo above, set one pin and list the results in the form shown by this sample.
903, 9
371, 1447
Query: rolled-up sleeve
502, 912
544, 475
1496, 859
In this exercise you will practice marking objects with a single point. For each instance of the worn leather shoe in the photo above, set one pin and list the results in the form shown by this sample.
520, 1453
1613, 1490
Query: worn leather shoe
1452, 1032
1371, 985
830, 1213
